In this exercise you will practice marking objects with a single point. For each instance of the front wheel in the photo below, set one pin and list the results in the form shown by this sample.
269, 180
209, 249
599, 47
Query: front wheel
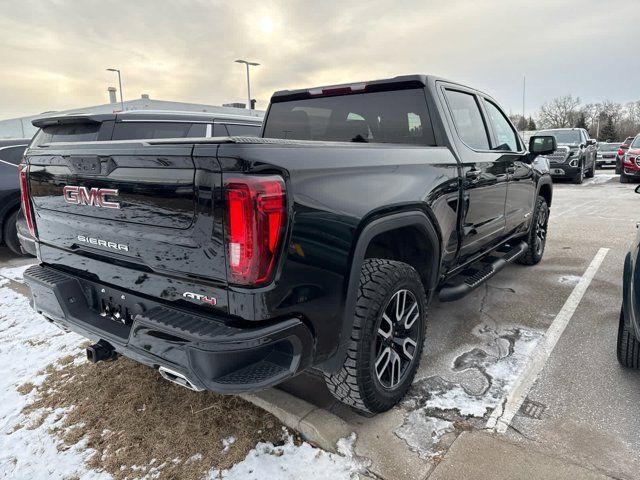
592, 171
387, 337
537, 238
579, 178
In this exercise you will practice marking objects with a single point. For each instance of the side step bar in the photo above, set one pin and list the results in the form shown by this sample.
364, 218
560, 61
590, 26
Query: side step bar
452, 292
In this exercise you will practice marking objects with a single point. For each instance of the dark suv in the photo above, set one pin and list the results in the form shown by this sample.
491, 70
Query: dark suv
575, 157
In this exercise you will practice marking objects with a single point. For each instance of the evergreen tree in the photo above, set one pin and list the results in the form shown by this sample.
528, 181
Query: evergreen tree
608, 132
582, 121
531, 125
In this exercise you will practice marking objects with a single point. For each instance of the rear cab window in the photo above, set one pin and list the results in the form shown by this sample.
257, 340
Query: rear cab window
399, 117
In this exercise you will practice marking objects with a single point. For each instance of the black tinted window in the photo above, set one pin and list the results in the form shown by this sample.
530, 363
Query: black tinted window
74, 132
468, 119
143, 130
12, 154
243, 130
502, 129
378, 117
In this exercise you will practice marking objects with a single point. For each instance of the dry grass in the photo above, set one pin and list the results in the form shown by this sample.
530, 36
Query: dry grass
133, 418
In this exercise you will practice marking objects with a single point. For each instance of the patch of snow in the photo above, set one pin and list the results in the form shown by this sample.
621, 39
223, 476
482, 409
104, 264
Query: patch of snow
495, 367
422, 432
227, 442
600, 178
569, 279
291, 462
14, 273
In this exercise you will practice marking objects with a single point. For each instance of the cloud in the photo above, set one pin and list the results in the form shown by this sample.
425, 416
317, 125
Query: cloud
53, 54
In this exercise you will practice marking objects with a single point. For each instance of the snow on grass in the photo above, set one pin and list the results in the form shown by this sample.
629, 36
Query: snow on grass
291, 462
14, 273
28, 343
422, 433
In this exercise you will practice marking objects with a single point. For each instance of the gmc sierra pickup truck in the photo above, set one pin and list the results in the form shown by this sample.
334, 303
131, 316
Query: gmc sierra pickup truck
232, 264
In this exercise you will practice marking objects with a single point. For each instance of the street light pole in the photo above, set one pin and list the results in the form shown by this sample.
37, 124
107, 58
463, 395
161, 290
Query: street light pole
119, 85
247, 64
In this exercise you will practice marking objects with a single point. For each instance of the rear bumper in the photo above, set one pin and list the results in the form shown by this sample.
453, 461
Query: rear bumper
209, 353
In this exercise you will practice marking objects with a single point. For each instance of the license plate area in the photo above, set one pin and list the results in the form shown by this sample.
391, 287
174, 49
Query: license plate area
115, 306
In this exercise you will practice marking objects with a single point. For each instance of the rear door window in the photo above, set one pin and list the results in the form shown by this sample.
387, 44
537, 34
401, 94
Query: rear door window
144, 130
468, 119
378, 117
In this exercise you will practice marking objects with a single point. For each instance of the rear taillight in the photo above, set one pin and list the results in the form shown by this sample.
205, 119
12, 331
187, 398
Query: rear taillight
24, 198
255, 223
620, 152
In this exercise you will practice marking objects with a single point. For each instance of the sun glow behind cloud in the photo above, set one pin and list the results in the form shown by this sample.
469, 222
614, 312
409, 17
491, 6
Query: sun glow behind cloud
184, 50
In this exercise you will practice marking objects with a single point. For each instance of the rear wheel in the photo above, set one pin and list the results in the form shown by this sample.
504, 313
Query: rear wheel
387, 337
10, 232
628, 348
537, 238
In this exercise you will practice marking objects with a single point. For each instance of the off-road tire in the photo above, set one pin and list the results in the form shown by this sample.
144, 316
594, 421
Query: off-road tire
540, 220
628, 348
10, 232
356, 383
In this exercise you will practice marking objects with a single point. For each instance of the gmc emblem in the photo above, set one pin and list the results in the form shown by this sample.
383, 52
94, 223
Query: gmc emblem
96, 197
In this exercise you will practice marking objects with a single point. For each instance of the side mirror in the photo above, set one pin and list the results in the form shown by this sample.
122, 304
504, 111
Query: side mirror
638, 189
542, 145
591, 141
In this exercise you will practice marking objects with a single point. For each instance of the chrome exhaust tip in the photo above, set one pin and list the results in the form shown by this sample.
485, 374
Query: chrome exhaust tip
178, 378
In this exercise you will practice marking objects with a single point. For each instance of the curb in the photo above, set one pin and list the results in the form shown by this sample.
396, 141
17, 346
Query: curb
316, 425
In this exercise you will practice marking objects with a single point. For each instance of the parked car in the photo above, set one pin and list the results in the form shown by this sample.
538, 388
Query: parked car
606, 154
10, 156
624, 146
576, 156
631, 162
232, 264
628, 345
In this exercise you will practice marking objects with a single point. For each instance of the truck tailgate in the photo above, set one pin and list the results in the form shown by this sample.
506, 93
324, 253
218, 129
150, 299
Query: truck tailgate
148, 205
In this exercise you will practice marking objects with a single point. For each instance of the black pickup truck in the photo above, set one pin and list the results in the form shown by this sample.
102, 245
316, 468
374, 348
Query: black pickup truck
231, 264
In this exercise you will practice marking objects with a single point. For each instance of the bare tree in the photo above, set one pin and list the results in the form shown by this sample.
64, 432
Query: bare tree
561, 112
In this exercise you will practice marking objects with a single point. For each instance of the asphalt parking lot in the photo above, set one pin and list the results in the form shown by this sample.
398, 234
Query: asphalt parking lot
581, 416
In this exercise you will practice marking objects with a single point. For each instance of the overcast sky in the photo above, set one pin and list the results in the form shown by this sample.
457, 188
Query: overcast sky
53, 54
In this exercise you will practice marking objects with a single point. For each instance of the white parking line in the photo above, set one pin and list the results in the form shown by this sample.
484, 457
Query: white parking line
503, 414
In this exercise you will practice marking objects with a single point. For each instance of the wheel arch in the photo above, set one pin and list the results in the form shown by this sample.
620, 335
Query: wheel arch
545, 189
415, 221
